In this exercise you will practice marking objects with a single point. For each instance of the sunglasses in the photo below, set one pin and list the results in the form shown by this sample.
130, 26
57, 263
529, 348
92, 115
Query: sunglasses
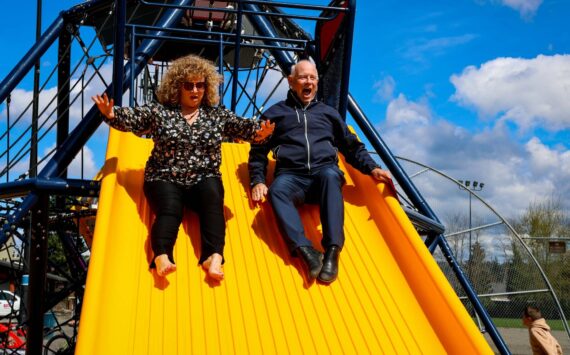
189, 86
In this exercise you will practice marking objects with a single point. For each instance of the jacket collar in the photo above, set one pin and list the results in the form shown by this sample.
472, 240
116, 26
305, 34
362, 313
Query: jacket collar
293, 100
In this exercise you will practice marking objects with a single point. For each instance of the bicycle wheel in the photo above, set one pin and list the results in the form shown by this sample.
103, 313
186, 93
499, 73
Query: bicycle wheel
58, 344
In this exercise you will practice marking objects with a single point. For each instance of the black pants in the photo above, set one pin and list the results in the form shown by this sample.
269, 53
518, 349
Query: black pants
168, 200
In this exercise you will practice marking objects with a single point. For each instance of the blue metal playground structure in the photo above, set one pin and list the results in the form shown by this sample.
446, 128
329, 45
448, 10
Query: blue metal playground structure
46, 211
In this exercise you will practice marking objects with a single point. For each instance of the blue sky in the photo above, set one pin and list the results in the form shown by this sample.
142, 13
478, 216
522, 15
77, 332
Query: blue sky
479, 89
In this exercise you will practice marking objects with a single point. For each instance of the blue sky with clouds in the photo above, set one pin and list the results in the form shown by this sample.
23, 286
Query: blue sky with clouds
479, 89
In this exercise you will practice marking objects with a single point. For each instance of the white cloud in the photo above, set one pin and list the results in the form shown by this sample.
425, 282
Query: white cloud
514, 173
550, 165
529, 92
401, 111
526, 8
90, 168
384, 89
21, 100
419, 49
20, 103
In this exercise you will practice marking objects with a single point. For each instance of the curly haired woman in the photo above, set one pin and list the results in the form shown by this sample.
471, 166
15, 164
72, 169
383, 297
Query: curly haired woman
187, 128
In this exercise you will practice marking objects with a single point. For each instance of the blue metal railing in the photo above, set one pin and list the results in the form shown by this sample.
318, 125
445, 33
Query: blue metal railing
125, 74
29, 59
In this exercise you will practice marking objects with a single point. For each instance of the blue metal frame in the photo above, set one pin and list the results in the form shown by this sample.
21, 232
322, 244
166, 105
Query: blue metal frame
46, 183
79, 136
213, 41
38, 270
59, 186
29, 59
349, 30
258, 13
263, 26
237, 50
119, 50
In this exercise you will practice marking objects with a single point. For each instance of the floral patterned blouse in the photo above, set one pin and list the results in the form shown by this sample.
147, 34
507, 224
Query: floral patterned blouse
183, 154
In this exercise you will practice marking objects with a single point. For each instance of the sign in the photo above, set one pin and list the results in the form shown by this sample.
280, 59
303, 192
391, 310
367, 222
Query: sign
558, 247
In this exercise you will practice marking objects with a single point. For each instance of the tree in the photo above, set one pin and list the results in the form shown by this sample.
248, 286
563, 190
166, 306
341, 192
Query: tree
480, 270
541, 223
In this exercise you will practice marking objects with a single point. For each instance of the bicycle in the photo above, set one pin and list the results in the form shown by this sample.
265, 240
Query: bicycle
59, 344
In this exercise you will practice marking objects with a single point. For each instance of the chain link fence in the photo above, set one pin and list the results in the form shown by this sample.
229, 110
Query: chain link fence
507, 272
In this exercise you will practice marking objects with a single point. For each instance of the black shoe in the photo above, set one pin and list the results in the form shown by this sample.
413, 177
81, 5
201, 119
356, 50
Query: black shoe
313, 260
329, 272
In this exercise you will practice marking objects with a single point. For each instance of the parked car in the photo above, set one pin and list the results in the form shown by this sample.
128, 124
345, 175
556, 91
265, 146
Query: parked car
9, 303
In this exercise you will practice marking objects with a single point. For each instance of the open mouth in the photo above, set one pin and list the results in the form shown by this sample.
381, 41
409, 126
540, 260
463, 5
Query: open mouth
307, 91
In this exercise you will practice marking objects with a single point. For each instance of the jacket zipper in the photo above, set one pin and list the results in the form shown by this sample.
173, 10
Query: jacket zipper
306, 128
307, 139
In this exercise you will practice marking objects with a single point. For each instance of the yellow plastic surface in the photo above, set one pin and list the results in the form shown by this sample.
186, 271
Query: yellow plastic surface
390, 296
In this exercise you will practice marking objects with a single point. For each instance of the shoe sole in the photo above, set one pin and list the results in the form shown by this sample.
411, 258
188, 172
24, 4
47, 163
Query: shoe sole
327, 281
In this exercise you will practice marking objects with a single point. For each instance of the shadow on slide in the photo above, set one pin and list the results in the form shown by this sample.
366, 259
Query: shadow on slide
390, 296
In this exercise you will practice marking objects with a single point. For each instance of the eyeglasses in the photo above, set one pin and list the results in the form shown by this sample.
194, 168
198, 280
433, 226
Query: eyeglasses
305, 78
189, 86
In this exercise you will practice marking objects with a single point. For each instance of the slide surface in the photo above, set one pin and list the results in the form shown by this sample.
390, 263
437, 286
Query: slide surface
390, 296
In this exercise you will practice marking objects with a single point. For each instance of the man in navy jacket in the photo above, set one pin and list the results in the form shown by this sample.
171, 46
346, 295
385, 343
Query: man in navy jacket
307, 137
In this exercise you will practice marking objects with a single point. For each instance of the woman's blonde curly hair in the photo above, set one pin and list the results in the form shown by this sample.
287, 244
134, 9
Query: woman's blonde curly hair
191, 65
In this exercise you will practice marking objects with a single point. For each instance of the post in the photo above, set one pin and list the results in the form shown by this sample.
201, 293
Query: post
470, 246
36, 98
63, 92
237, 50
38, 271
119, 50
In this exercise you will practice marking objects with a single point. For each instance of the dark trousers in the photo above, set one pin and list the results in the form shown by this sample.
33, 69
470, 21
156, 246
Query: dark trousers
324, 187
168, 200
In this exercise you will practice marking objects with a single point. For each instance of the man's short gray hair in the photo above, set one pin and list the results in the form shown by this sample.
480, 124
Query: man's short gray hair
309, 60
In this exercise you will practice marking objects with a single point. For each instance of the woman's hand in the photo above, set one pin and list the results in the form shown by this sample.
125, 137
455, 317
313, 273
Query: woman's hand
104, 105
265, 131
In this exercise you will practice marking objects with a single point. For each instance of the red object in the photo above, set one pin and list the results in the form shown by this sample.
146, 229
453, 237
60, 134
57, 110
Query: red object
327, 33
10, 339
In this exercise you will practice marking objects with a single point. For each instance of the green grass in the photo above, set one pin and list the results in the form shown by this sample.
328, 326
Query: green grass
555, 324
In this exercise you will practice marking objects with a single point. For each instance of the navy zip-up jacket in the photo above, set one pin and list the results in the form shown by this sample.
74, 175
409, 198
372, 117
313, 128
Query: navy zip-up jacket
305, 139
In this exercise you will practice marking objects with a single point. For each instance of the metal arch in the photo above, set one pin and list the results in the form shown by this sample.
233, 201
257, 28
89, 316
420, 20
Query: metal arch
542, 273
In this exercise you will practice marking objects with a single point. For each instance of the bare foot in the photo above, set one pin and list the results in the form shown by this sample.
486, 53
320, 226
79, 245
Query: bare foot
214, 266
163, 265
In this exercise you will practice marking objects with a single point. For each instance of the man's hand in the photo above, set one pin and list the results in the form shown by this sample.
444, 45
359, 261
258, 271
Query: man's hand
104, 105
265, 131
381, 175
258, 192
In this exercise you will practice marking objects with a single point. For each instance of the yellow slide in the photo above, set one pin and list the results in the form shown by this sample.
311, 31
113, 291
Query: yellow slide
390, 296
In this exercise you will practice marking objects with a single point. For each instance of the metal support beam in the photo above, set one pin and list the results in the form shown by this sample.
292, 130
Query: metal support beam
79, 136
119, 51
263, 26
346, 61
28, 60
63, 91
237, 50
57, 186
388, 158
38, 271
419, 202
33, 171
